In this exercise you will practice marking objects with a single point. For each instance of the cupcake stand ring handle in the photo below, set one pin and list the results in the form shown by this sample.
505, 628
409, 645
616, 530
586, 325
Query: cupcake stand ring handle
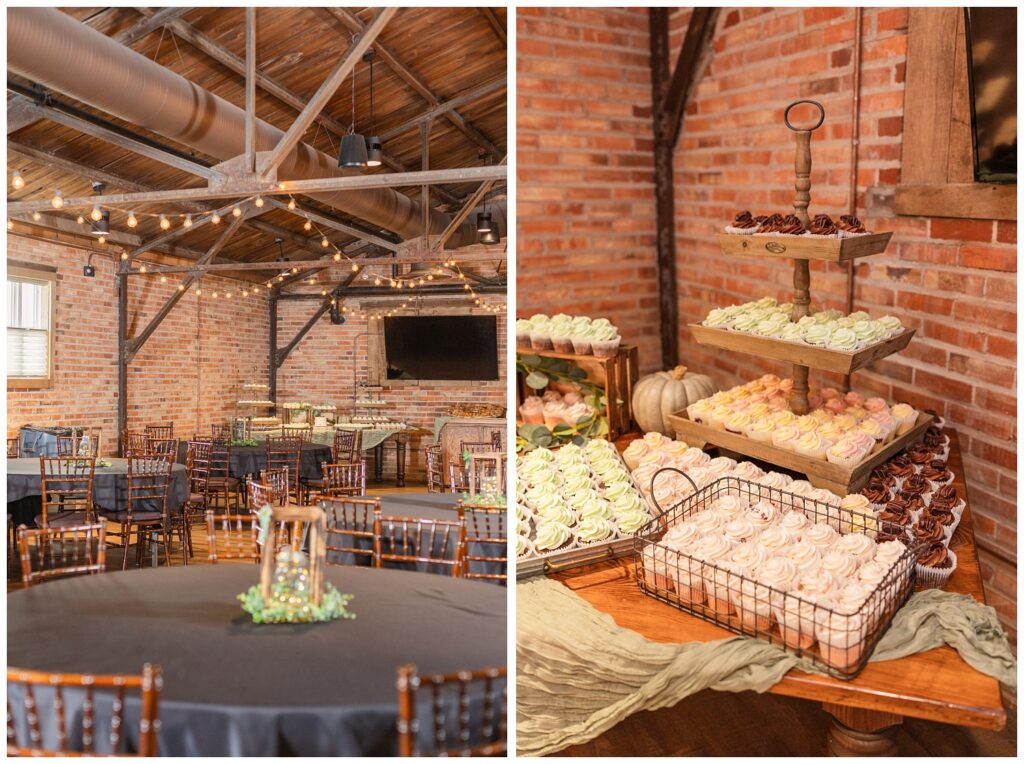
801, 268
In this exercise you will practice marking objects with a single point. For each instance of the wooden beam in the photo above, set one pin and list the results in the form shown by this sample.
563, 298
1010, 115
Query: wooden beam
54, 162
326, 91
122, 358
684, 78
373, 291
353, 22
20, 114
121, 140
272, 346
250, 89
467, 208
664, 190
495, 22
337, 225
176, 233
248, 188
135, 344
147, 24
470, 96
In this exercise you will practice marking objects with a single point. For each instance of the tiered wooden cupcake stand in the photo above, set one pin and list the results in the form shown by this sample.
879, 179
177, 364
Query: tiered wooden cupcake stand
820, 473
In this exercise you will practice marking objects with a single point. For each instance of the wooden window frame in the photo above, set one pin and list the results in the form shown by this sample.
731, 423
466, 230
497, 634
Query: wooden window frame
937, 125
38, 273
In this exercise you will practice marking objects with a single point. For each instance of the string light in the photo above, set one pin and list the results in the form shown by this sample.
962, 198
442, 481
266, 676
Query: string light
102, 240
142, 268
17, 181
199, 291
124, 255
132, 220
10, 224
355, 268
188, 221
215, 219
181, 287
291, 203
259, 201
337, 256
163, 279
236, 211
307, 226
97, 214
58, 200
165, 224
376, 281
80, 220
324, 243
245, 293
36, 216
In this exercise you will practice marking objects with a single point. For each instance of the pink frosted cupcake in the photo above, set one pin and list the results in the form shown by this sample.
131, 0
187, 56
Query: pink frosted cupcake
874, 429
854, 399
555, 414
875, 405
828, 393
835, 405
532, 410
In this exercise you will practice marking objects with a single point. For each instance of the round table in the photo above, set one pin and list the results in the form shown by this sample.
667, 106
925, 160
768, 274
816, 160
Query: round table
233, 688
249, 460
109, 488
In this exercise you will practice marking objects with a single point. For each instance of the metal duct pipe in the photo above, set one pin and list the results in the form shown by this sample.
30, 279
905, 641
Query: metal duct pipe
56, 51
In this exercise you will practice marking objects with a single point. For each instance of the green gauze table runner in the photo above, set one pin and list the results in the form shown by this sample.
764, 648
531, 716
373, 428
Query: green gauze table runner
578, 673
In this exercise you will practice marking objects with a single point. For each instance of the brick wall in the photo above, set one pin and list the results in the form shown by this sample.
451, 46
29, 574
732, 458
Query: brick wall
585, 211
952, 280
331, 360
188, 372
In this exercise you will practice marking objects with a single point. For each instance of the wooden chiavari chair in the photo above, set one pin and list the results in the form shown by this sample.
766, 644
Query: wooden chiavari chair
418, 540
458, 478
134, 443
84, 445
66, 486
484, 525
482, 462
291, 533
232, 537
344, 479
286, 452
25, 682
452, 734
162, 447
14, 448
197, 472
56, 552
163, 431
435, 470
146, 513
260, 495
221, 432
347, 446
277, 479
220, 483
353, 518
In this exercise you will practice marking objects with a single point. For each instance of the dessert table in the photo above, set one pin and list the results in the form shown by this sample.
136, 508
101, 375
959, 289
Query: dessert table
233, 688
936, 685
110, 488
249, 460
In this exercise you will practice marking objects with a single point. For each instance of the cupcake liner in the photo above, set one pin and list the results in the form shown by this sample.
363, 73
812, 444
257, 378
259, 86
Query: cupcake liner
523, 341
849, 234
582, 346
935, 578
541, 341
562, 344
740, 231
606, 348
528, 550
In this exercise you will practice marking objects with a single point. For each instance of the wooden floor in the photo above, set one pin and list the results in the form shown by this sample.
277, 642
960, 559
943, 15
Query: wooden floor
747, 724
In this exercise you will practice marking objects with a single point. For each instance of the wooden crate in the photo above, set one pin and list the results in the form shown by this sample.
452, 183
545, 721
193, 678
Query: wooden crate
799, 353
821, 474
804, 247
616, 375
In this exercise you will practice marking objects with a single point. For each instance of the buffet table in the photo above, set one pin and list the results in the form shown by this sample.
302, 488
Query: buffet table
936, 685
233, 688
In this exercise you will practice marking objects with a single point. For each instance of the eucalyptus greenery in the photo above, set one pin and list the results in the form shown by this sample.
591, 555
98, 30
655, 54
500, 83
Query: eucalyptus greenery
331, 607
539, 372
244, 442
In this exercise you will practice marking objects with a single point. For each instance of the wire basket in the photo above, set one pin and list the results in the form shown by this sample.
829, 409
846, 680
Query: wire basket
839, 641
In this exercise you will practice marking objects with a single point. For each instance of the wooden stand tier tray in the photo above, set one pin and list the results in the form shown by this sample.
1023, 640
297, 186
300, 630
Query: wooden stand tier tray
617, 375
806, 355
821, 473
804, 247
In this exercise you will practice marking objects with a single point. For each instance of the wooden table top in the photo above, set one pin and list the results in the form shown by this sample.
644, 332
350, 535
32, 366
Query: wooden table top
936, 684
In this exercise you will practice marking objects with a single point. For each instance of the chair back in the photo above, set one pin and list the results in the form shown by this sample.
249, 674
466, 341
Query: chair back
220, 458
149, 480
14, 448
221, 431
197, 466
347, 479
232, 537
435, 470
353, 518
134, 442
455, 729
458, 478
475, 446
484, 525
163, 431
277, 479
84, 444
66, 485
418, 540
347, 445
24, 737
486, 467
260, 495
57, 552
286, 452
162, 447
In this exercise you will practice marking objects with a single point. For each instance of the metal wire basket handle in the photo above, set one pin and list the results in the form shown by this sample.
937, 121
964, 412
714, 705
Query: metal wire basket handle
655, 477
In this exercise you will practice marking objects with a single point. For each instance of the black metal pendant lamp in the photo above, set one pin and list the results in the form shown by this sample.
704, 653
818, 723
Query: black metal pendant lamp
374, 146
352, 154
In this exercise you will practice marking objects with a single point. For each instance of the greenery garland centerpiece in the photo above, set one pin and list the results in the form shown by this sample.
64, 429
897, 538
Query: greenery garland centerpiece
541, 371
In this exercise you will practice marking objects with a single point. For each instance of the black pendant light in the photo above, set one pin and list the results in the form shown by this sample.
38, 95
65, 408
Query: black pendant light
483, 222
353, 146
374, 147
492, 236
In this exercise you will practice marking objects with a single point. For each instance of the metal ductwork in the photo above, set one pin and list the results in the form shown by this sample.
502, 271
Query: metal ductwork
53, 49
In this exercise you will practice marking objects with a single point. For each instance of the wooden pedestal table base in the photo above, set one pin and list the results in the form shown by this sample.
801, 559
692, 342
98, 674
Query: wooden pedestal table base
866, 712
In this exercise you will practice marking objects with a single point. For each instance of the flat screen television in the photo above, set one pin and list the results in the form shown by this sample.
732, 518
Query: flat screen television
441, 347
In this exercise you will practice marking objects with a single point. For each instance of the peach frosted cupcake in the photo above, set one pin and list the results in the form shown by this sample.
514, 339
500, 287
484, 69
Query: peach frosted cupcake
858, 545
821, 536
845, 452
737, 423
874, 405
811, 444
751, 599
906, 415
874, 429
785, 437
841, 636
636, 450
717, 417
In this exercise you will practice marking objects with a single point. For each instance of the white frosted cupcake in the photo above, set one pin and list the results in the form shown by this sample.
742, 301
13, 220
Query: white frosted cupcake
841, 637
634, 452
906, 415
523, 328
714, 552
858, 545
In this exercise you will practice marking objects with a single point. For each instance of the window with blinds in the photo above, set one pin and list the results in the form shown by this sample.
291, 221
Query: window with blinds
29, 310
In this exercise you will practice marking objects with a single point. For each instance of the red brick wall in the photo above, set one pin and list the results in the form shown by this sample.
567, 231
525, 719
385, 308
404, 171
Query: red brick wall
952, 280
585, 211
188, 372
320, 370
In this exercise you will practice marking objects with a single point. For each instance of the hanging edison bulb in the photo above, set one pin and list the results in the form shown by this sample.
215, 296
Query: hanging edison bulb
165, 224
163, 279
80, 220
236, 211
259, 201
307, 225
291, 203
337, 256
57, 201
17, 182
188, 221
376, 281
102, 240
97, 214
132, 220
355, 268
324, 243
215, 219
10, 224
36, 216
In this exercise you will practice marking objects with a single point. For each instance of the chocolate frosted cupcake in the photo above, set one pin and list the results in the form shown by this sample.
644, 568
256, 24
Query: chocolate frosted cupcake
935, 564
920, 455
928, 530
915, 485
893, 533
936, 473
877, 492
942, 515
901, 468
822, 227
850, 225
743, 224
767, 223
946, 497
791, 226
895, 514
914, 502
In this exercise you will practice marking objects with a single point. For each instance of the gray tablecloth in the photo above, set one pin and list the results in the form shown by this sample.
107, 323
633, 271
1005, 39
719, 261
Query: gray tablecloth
110, 486
429, 506
249, 460
232, 688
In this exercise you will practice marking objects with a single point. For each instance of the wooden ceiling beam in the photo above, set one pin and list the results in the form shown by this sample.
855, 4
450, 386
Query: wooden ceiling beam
467, 208
350, 20
495, 22
684, 76
326, 91
329, 222
444, 107
20, 114
147, 24
250, 89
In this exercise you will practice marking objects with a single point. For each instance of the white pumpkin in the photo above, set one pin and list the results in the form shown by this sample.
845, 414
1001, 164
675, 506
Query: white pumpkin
666, 392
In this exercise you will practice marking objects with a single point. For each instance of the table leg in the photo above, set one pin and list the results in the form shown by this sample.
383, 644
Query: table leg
861, 732
400, 462
378, 463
